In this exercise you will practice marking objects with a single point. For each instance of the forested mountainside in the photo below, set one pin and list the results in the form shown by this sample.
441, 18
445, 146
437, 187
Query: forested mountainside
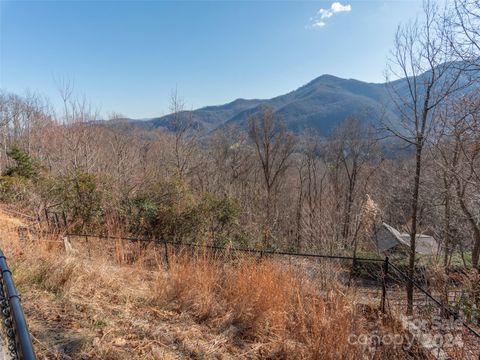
321, 104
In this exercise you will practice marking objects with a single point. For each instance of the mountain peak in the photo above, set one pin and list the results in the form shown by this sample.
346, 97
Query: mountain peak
320, 104
325, 78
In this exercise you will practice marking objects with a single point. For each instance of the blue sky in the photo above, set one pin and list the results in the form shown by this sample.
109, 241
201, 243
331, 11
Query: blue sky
129, 56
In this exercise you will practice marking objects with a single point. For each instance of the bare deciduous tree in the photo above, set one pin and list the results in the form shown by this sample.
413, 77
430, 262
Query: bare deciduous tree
464, 22
355, 145
274, 146
185, 136
423, 58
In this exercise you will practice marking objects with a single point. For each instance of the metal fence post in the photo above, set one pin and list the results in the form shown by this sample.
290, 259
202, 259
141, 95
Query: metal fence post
352, 271
87, 243
46, 217
57, 222
166, 254
384, 284
20, 343
64, 219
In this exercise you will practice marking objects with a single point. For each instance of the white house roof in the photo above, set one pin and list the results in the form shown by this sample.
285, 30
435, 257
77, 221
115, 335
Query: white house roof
424, 244
387, 238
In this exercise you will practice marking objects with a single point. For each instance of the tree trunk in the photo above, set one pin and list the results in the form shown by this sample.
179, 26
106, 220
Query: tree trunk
447, 228
413, 229
298, 235
348, 210
267, 225
473, 225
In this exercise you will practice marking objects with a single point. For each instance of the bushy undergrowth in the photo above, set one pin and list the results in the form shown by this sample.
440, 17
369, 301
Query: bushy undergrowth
262, 302
258, 303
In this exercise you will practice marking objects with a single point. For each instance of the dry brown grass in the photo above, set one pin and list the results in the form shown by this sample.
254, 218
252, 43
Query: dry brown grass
255, 309
262, 303
189, 285
94, 306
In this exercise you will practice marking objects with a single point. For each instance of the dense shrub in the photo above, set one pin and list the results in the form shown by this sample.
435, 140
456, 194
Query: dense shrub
14, 189
169, 210
16, 182
24, 165
80, 198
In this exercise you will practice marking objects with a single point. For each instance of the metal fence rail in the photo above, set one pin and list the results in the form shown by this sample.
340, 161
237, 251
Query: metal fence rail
223, 248
19, 342
383, 276
436, 302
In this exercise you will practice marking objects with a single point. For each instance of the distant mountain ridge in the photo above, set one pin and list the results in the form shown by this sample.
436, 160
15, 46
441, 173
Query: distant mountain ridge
320, 104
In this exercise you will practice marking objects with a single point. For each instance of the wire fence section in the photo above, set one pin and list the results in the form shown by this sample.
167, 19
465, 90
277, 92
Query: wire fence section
375, 281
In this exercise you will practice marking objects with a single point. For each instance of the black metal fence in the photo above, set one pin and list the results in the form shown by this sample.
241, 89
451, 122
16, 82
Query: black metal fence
443, 308
19, 342
377, 280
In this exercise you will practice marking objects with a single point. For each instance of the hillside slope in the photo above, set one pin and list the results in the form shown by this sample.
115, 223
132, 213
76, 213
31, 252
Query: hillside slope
321, 104
96, 304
